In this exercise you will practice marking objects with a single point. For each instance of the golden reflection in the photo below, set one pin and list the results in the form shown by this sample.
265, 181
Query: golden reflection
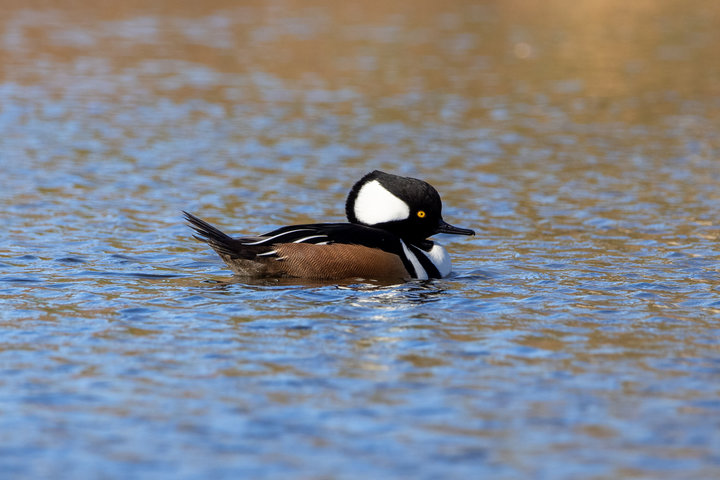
382, 48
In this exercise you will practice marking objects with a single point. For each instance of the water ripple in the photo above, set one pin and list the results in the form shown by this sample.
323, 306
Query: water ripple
576, 338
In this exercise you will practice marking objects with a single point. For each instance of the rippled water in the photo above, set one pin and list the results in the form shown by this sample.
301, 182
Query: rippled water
577, 338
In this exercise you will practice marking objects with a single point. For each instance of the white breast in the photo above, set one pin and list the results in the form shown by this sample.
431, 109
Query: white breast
440, 258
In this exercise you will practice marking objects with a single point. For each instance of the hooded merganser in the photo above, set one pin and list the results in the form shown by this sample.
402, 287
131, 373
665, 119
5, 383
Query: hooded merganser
391, 218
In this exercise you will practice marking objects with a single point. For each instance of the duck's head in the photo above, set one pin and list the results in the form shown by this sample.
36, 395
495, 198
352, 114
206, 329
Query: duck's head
408, 207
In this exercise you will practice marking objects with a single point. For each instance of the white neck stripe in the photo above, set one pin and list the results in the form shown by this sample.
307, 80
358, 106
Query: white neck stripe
420, 272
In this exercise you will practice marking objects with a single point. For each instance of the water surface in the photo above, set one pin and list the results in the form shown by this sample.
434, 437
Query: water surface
577, 338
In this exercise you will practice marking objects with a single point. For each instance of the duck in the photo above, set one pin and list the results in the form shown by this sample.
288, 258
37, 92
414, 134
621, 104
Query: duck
390, 219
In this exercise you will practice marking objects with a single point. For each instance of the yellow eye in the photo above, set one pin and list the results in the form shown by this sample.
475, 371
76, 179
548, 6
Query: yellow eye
421, 214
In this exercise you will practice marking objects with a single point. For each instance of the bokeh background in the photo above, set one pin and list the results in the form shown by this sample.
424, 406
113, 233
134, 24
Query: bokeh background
578, 337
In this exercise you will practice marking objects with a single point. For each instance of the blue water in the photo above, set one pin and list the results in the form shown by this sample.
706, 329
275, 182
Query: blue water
576, 338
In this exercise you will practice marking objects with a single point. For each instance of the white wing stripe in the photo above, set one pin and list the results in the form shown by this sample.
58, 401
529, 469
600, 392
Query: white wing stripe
309, 238
274, 237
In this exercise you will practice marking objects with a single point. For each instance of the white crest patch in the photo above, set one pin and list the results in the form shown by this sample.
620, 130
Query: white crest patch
374, 204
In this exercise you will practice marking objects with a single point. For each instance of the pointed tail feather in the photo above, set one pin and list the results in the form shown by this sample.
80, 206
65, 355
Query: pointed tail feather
220, 242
